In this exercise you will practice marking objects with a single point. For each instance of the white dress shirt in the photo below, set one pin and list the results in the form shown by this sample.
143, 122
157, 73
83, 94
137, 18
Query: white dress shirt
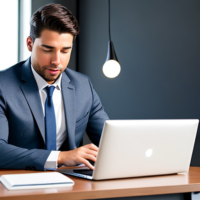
51, 163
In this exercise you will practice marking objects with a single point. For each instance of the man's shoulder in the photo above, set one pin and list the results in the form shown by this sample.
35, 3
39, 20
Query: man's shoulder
9, 72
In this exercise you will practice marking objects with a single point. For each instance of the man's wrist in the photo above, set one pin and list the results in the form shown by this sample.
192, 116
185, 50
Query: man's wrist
59, 161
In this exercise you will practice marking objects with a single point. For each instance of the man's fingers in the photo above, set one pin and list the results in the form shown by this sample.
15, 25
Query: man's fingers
89, 157
80, 155
87, 163
92, 147
91, 152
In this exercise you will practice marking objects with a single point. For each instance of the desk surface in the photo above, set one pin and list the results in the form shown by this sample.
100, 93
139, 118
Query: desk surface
86, 189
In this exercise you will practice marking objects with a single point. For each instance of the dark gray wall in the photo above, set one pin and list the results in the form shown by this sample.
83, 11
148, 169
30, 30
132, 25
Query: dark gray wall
158, 46
71, 5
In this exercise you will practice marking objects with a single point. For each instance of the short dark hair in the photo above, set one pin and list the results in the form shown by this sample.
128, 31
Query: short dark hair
53, 17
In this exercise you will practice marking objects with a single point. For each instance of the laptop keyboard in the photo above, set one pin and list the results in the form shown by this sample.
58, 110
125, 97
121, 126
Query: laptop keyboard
84, 171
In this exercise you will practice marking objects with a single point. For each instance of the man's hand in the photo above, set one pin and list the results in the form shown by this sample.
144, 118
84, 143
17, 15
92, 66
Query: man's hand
78, 156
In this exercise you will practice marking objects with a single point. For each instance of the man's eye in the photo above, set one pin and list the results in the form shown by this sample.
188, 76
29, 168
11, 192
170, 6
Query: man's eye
47, 50
65, 52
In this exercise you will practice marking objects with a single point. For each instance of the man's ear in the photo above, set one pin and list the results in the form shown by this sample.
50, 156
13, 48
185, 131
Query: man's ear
29, 43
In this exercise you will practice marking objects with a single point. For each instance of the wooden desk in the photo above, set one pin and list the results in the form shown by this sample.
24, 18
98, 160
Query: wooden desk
86, 189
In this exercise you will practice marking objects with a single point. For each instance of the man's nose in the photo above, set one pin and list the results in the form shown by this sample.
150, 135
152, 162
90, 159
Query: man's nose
56, 59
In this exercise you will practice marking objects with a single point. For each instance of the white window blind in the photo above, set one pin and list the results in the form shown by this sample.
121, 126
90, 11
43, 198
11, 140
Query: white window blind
8, 33
25, 16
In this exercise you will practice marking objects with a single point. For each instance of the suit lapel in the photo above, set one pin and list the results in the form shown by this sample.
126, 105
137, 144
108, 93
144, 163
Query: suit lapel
69, 101
31, 93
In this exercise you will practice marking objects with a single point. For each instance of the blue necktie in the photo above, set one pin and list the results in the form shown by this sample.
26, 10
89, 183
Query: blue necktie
50, 121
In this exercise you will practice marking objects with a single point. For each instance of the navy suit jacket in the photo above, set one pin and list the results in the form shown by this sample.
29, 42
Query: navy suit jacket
22, 126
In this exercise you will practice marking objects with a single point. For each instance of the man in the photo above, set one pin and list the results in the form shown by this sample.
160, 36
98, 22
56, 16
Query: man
45, 108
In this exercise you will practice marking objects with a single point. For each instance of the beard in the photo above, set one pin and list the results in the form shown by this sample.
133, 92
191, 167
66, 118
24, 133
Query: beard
43, 71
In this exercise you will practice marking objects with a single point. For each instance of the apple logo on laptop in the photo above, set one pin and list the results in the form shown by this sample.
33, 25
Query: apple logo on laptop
149, 152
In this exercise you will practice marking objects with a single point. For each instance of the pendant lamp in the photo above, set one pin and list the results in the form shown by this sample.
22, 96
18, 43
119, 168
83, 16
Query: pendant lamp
111, 67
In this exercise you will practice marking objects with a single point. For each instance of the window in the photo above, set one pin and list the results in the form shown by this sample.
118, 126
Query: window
8, 33
24, 28
14, 29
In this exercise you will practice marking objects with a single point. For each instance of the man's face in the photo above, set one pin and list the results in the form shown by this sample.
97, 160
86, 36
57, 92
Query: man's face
51, 54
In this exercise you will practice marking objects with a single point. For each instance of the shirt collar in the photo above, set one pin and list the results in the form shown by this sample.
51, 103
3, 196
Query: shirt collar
41, 83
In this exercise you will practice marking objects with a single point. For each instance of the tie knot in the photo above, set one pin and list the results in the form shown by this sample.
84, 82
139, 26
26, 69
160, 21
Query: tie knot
50, 90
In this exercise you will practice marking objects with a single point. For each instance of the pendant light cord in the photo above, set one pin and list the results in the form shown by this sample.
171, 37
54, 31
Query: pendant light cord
109, 19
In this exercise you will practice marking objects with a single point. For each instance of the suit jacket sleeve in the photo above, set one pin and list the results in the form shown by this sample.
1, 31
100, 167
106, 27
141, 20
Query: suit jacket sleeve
13, 157
96, 119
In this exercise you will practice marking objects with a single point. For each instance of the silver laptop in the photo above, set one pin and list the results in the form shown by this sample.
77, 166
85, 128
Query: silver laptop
134, 148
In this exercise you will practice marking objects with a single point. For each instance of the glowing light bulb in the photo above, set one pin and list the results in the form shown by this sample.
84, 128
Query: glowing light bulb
111, 68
